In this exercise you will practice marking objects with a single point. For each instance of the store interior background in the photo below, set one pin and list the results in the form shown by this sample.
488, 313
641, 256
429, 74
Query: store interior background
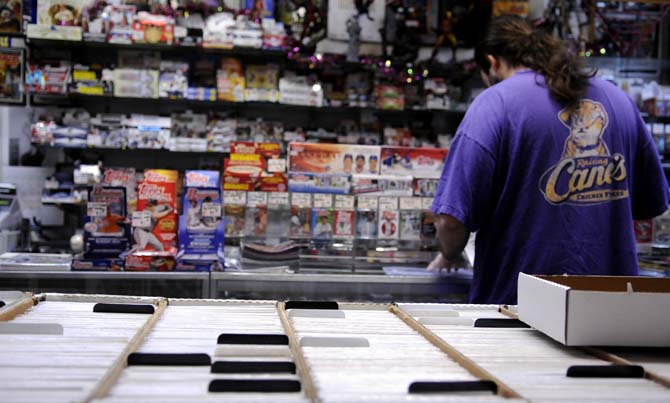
15, 142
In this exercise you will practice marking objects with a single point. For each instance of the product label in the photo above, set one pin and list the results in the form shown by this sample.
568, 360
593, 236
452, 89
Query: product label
410, 203
388, 203
141, 219
301, 200
96, 209
323, 200
277, 165
235, 197
255, 199
278, 199
343, 202
368, 202
211, 210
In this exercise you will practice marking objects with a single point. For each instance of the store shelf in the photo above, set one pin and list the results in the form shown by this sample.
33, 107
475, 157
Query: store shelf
100, 275
127, 103
158, 152
74, 46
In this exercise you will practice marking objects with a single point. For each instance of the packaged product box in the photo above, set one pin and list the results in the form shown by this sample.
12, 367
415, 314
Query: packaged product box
301, 216
389, 218
97, 264
155, 222
58, 19
256, 218
201, 231
319, 183
261, 83
247, 169
153, 28
366, 217
122, 177
136, 83
411, 209
230, 80
382, 185
428, 230
106, 225
333, 158
418, 162
643, 231
322, 217
234, 205
148, 131
597, 310
344, 217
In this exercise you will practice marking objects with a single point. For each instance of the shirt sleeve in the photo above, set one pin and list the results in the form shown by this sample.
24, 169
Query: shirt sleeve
650, 186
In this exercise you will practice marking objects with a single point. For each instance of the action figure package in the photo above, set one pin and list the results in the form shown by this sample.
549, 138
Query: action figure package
200, 228
643, 231
122, 177
333, 158
411, 209
155, 223
319, 183
417, 162
256, 214
301, 216
428, 230
425, 187
389, 218
279, 215
381, 185
233, 213
366, 217
322, 216
343, 217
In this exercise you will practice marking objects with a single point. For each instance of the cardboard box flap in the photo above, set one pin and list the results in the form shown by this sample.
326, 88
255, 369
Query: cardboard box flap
611, 283
546, 305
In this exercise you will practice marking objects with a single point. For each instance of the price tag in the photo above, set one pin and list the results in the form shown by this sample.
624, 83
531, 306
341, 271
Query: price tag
94, 140
323, 200
427, 203
84, 75
255, 199
388, 203
278, 199
5, 42
301, 200
343, 202
277, 165
96, 209
410, 203
234, 197
367, 202
141, 219
211, 210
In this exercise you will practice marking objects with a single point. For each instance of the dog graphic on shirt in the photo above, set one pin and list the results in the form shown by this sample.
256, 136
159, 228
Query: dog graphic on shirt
587, 124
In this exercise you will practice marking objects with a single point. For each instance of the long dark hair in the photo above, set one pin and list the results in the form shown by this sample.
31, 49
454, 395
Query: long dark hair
514, 40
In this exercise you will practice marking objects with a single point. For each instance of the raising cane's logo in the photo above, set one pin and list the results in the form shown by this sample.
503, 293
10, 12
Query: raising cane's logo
587, 173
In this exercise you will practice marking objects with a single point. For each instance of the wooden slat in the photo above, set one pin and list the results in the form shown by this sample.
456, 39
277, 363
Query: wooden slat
112, 375
298, 356
454, 354
16, 309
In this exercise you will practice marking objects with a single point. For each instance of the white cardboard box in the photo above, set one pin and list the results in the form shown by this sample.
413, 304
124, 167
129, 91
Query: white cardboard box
597, 310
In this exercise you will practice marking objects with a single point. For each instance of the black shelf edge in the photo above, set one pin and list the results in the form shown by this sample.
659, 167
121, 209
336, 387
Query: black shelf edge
63, 99
128, 149
235, 51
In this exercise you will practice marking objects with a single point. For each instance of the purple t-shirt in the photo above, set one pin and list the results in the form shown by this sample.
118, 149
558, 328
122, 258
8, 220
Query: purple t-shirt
550, 191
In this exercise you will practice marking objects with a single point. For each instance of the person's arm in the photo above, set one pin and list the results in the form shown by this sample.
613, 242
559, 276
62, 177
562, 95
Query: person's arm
452, 236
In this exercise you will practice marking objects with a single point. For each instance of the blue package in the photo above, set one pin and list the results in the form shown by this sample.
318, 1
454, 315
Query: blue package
106, 227
201, 230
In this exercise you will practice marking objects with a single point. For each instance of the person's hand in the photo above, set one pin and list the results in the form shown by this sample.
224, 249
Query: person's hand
440, 263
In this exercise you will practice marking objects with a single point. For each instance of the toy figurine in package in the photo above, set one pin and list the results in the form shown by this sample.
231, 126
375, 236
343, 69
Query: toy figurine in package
201, 231
262, 83
106, 228
234, 213
173, 79
279, 215
389, 218
256, 220
366, 217
418, 162
155, 222
410, 218
333, 158
230, 80
301, 216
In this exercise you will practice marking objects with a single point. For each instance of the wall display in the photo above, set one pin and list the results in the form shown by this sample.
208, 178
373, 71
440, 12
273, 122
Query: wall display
10, 17
11, 76
369, 13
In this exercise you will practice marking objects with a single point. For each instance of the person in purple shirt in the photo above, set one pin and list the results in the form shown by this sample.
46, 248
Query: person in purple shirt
549, 167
